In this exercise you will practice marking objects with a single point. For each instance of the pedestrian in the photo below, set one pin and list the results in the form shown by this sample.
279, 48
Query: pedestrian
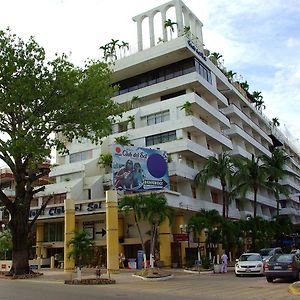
224, 260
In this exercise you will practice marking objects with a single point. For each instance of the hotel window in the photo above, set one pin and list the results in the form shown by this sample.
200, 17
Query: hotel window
80, 156
203, 71
194, 192
158, 118
161, 138
173, 185
56, 199
190, 163
54, 232
214, 197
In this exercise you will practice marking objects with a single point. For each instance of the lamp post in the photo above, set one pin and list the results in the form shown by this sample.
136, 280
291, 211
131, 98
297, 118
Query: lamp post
3, 227
184, 228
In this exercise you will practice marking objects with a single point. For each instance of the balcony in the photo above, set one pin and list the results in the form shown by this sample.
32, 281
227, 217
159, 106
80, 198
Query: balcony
6, 175
235, 129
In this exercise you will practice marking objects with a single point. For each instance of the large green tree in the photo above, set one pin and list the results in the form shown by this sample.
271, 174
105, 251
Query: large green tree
219, 167
82, 248
251, 176
43, 105
276, 168
156, 210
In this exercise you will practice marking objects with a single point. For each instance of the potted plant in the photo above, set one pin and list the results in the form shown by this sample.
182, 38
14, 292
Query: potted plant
122, 140
105, 160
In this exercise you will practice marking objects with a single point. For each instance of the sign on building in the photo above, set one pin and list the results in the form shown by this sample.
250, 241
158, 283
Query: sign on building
139, 169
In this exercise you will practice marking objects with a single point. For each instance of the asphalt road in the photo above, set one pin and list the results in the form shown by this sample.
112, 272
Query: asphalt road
182, 286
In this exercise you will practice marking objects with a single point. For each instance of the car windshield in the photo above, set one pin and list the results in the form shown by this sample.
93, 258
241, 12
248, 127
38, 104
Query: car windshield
265, 252
283, 258
250, 257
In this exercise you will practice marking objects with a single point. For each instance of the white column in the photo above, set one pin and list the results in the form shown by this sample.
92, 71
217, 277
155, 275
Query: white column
199, 34
179, 19
193, 28
164, 30
139, 34
151, 31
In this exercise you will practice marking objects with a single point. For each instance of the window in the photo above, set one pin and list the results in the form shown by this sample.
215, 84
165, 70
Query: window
158, 118
173, 185
54, 232
155, 76
80, 156
189, 136
203, 70
57, 199
190, 163
194, 192
172, 95
161, 138
214, 197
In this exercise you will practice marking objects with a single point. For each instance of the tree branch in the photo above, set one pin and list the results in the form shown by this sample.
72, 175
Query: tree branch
41, 189
6, 201
44, 205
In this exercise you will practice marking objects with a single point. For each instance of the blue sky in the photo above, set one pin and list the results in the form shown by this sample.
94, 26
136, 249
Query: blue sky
260, 40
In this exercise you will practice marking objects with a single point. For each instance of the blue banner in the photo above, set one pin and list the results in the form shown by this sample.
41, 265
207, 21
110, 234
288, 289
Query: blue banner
139, 169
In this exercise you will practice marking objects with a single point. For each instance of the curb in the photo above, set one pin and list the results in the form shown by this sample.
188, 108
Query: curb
293, 289
154, 278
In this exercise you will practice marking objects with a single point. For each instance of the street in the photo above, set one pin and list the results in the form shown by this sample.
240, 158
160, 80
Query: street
182, 286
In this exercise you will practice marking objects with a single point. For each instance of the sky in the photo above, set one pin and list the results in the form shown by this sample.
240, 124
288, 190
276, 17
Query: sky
259, 40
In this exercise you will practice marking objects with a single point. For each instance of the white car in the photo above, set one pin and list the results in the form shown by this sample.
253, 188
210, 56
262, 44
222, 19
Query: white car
249, 264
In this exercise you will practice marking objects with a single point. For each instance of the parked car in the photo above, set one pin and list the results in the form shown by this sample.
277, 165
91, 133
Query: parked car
266, 253
282, 266
249, 264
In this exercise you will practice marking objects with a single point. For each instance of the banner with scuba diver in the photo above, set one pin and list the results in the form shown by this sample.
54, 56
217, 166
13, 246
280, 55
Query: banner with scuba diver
139, 169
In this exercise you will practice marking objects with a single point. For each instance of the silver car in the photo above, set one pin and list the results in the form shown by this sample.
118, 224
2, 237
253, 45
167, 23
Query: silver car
249, 264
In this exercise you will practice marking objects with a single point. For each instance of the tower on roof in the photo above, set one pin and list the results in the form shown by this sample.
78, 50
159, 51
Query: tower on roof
184, 19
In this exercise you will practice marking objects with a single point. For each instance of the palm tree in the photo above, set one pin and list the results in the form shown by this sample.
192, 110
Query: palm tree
274, 166
136, 205
123, 46
220, 167
187, 106
282, 226
258, 100
214, 57
187, 30
259, 104
170, 24
230, 75
81, 249
113, 44
122, 140
245, 85
250, 175
105, 160
131, 120
156, 210
209, 220
275, 122
134, 101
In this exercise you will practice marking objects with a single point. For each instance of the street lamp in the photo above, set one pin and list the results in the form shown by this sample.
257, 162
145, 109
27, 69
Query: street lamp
3, 227
184, 228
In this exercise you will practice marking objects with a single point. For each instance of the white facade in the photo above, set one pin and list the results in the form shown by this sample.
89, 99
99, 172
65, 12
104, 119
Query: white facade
164, 77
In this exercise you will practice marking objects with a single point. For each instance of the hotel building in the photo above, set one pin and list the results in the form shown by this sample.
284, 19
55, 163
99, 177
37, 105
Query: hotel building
168, 72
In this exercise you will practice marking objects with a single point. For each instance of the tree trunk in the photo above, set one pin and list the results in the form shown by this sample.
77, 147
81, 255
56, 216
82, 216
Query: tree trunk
20, 251
142, 240
224, 200
255, 203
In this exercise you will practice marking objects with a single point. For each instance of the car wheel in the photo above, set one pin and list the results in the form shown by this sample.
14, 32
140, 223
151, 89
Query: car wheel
237, 275
270, 279
297, 277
